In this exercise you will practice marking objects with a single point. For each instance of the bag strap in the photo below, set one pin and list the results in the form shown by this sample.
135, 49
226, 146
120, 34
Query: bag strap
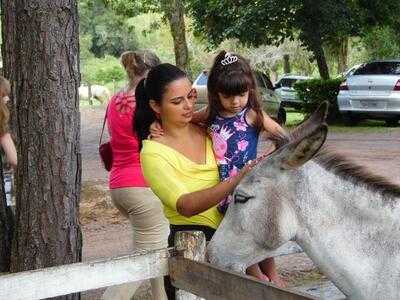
104, 123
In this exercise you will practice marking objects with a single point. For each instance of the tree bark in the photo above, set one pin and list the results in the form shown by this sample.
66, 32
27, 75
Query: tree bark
175, 13
342, 54
46, 72
319, 56
286, 64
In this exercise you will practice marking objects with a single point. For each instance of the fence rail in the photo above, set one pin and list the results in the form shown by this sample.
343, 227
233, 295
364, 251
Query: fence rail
197, 277
213, 283
79, 277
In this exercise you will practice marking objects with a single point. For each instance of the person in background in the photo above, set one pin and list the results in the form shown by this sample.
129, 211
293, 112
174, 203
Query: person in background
6, 141
129, 190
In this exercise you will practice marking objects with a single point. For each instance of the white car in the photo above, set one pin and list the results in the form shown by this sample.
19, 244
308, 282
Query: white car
372, 92
284, 88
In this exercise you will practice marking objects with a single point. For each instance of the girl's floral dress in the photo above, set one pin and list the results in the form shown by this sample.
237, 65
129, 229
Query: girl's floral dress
234, 143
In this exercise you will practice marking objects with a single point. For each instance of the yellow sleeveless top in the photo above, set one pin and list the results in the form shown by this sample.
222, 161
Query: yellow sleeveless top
171, 175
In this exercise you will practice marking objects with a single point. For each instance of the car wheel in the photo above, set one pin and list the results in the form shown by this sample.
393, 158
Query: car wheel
350, 119
392, 122
281, 116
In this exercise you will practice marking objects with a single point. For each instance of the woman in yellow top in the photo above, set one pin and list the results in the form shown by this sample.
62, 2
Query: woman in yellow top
179, 165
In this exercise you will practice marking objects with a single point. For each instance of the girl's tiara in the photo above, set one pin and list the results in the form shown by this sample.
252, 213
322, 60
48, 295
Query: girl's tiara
229, 59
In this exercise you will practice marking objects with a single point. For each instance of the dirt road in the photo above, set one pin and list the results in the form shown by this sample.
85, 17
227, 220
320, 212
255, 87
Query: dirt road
107, 234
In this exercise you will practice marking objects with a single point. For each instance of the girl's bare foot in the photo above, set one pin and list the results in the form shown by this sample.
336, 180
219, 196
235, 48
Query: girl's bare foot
278, 281
268, 267
255, 271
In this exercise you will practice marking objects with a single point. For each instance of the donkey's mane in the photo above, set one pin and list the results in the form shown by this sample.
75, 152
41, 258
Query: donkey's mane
343, 167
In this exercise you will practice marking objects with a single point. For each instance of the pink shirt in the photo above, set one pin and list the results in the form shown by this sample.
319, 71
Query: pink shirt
126, 170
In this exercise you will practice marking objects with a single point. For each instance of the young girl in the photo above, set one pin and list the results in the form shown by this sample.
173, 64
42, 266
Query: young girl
6, 142
235, 119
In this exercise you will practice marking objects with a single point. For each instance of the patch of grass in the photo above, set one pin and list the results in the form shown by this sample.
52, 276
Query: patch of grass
366, 126
294, 118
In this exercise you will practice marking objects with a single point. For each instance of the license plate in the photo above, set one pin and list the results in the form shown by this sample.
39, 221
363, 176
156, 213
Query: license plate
369, 104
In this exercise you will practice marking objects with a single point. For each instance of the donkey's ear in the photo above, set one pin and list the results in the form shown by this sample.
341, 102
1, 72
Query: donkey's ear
300, 151
317, 118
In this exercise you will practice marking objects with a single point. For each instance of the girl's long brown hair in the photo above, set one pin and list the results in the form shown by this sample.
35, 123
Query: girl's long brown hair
4, 112
233, 79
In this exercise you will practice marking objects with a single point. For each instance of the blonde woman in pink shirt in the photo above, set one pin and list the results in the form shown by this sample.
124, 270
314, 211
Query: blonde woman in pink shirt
129, 190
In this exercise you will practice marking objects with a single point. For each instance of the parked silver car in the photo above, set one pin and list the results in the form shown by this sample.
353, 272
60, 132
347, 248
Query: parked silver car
284, 87
373, 91
270, 100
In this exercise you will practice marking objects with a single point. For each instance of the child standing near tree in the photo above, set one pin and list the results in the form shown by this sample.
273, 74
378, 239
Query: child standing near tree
6, 141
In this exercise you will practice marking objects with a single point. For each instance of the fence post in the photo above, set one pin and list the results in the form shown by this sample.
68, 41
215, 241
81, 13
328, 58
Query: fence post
194, 243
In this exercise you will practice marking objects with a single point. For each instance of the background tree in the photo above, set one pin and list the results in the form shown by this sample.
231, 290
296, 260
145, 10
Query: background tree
271, 58
381, 43
270, 22
45, 74
108, 32
172, 10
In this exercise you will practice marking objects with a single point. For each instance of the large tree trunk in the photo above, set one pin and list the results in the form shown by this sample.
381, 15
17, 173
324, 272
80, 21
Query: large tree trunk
46, 72
319, 56
175, 13
311, 36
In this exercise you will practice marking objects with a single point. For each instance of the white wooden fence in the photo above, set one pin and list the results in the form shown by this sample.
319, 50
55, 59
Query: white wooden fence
79, 277
197, 277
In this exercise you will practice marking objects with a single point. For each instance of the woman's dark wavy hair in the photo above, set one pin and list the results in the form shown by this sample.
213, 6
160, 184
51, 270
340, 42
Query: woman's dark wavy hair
233, 79
153, 87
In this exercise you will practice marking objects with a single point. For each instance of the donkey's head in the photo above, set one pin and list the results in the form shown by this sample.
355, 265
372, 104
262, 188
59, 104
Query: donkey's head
261, 217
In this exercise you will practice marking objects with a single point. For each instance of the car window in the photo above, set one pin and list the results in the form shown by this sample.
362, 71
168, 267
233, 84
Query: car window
202, 79
263, 81
379, 68
288, 82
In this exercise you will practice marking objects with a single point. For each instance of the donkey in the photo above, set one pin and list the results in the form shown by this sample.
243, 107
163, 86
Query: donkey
346, 219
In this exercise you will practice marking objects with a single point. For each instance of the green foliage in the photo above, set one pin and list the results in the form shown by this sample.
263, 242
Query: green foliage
133, 8
109, 32
270, 22
102, 70
85, 44
314, 91
158, 38
315, 23
382, 43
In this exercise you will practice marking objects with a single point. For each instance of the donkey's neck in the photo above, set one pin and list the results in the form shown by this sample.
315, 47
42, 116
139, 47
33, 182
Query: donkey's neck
346, 229
342, 201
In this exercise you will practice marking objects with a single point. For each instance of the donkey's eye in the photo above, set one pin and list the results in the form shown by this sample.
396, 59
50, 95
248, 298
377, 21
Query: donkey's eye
240, 198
